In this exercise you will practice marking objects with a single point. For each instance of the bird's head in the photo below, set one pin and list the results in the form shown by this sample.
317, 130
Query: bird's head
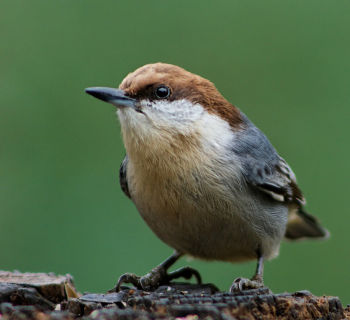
163, 101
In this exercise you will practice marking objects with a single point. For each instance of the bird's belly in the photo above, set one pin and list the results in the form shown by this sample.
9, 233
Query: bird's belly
213, 231
205, 235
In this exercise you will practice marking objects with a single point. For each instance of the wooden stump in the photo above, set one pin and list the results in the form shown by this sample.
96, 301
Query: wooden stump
46, 296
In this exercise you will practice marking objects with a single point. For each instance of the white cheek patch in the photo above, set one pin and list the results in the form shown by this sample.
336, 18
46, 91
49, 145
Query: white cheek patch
170, 113
179, 116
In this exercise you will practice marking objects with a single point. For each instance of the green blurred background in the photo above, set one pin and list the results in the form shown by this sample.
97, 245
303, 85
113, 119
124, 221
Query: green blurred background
286, 64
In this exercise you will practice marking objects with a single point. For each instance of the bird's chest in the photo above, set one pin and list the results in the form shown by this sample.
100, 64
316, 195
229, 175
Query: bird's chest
165, 192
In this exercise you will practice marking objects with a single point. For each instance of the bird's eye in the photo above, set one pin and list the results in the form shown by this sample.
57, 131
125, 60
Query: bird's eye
162, 92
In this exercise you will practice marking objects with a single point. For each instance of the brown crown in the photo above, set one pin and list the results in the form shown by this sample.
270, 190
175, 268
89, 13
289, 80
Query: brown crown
183, 85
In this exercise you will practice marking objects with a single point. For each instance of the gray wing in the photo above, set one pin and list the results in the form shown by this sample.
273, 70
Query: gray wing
122, 177
263, 168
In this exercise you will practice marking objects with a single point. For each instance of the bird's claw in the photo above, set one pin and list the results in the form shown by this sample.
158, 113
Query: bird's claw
126, 278
241, 284
155, 278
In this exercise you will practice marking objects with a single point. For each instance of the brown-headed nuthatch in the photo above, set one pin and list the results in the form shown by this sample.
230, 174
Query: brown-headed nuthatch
205, 179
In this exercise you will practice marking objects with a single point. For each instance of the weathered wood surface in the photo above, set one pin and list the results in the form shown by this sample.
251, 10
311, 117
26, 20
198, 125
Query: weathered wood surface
40, 287
32, 299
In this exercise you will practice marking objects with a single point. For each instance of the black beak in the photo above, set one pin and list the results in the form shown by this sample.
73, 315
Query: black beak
116, 97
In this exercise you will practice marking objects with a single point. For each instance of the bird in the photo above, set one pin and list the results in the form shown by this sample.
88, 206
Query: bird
203, 177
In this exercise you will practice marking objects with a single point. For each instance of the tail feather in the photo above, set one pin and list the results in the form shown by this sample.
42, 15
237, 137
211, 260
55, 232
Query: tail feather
303, 225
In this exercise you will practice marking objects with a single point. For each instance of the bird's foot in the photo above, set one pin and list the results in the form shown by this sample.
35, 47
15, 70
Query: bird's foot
156, 277
241, 284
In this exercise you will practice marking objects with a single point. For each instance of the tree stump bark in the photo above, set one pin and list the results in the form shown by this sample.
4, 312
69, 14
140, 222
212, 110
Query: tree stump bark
46, 296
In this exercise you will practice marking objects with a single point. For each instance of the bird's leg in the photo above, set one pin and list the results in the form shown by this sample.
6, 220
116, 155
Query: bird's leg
158, 275
256, 282
258, 276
